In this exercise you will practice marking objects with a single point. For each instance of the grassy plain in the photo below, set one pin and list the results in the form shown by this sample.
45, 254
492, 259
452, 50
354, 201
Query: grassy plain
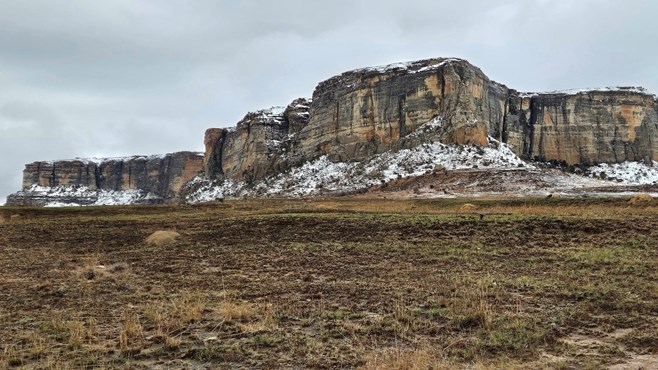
332, 283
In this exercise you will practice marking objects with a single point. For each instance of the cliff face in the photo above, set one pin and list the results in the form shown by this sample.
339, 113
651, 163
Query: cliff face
259, 146
162, 177
369, 111
361, 113
366, 112
587, 127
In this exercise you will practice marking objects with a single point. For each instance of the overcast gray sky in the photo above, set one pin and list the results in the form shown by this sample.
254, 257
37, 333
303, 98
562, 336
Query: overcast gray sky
83, 78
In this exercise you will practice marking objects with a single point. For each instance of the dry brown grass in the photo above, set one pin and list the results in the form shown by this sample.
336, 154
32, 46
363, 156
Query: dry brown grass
38, 343
172, 343
130, 331
162, 238
92, 269
235, 311
189, 307
169, 316
471, 307
426, 357
10, 357
423, 358
331, 283
257, 318
537, 206
468, 207
399, 359
76, 334
641, 199
155, 313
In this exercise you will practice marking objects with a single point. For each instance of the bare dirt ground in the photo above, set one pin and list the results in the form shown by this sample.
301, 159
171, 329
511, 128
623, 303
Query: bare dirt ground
335, 283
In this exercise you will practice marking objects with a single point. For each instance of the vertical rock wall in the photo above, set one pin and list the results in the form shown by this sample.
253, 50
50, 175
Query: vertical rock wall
588, 127
361, 113
364, 112
163, 176
368, 111
262, 144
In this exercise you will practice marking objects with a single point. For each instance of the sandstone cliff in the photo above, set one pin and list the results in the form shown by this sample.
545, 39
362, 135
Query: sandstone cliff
160, 177
584, 127
368, 112
260, 145
358, 114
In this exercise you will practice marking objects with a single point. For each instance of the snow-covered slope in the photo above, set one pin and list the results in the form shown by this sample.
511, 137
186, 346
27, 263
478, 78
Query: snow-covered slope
73, 196
324, 176
408, 67
635, 173
587, 90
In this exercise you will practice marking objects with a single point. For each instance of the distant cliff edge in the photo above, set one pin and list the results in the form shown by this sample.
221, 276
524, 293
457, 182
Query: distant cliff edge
107, 181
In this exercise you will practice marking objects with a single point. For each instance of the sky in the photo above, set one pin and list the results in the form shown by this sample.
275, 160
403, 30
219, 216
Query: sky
83, 78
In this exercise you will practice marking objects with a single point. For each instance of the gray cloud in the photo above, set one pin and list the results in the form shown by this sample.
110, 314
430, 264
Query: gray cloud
81, 78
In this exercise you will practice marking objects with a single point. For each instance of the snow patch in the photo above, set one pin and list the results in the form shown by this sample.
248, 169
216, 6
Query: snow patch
432, 125
74, 196
208, 191
586, 90
60, 204
636, 173
408, 67
124, 197
271, 115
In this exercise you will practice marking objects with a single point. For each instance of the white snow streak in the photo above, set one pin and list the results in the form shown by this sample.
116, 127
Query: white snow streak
72, 196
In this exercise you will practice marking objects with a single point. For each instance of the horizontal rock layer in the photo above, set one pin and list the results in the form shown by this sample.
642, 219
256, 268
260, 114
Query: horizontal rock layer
162, 176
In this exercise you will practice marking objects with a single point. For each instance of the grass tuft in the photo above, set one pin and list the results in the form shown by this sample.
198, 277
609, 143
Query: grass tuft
162, 238
130, 331
641, 199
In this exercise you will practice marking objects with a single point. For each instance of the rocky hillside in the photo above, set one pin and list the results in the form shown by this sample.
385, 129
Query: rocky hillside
384, 115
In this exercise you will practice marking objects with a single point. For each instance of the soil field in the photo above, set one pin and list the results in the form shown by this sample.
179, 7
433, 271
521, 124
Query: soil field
332, 284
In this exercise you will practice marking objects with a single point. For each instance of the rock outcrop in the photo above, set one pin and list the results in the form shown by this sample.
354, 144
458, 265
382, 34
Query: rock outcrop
369, 111
361, 113
584, 127
366, 112
260, 144
161, 177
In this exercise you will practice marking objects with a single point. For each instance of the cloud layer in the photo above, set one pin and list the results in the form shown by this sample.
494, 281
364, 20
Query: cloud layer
81, 78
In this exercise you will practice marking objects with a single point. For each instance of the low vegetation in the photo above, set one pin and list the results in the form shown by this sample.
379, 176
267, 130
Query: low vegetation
162, 238
550, 283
